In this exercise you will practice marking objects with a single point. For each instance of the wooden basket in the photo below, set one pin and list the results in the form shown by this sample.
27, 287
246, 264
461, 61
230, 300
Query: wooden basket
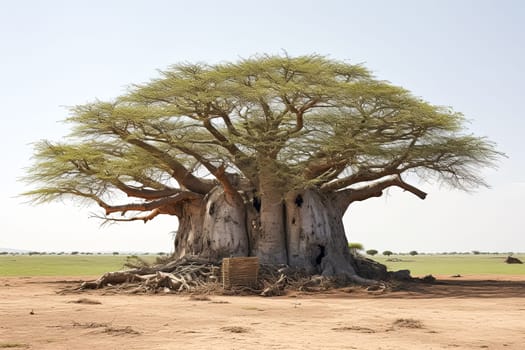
240, 272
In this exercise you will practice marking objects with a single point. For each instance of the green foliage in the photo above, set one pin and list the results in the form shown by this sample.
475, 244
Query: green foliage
387, 253
413, 252
135, 262
371, 252
355, 247
306, 121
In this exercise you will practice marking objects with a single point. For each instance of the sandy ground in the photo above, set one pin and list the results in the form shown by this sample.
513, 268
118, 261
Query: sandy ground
459, 314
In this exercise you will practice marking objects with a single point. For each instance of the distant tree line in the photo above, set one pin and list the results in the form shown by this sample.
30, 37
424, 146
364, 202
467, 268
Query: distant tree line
359, 247
73, 253
354, 248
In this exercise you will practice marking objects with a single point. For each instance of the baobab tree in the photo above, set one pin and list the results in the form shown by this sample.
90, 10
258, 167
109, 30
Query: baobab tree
260, 157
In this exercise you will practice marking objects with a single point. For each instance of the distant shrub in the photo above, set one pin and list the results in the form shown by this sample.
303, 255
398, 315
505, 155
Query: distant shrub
371, 252
387, 253
163, 258
34, 253
476, 252
4, 253
413, 252
135, 262
355, 247
74, 253
161, 253
116, 253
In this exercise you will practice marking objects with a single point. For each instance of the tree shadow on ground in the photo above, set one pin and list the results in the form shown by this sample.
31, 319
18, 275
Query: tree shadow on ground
457, 289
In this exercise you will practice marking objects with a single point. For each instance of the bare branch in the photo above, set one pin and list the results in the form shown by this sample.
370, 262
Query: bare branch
180, 173
374, 189
232, 195
154, 213
151, 205
299, 114
145, 193
360, 176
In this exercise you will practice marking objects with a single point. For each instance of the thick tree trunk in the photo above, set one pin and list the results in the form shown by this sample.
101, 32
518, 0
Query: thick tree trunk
189, 233
304, 230
271, 244
315, 234
224, 227
212, 228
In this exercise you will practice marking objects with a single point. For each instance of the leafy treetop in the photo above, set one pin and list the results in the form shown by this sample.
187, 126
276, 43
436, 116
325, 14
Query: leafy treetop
304, 122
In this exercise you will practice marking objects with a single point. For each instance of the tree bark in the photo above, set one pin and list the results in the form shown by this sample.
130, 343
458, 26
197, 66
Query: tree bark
304, 230
271, 242
212, 228
316, 239
224, 226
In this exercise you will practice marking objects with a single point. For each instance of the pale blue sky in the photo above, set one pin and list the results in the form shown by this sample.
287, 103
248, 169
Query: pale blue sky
464, 54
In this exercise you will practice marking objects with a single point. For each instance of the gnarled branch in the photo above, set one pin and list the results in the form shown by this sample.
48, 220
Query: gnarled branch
375, 189
180, 173
144, 218
144, 192
232, 195
359, 176
147, 206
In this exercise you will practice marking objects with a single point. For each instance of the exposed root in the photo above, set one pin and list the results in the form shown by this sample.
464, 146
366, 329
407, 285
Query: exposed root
176, 276
201, 277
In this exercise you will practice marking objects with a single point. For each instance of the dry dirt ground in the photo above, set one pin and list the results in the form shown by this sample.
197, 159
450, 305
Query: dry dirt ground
462, 313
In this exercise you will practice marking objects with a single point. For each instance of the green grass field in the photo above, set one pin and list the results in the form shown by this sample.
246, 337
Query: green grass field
419, 265
467, 264
62, 265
